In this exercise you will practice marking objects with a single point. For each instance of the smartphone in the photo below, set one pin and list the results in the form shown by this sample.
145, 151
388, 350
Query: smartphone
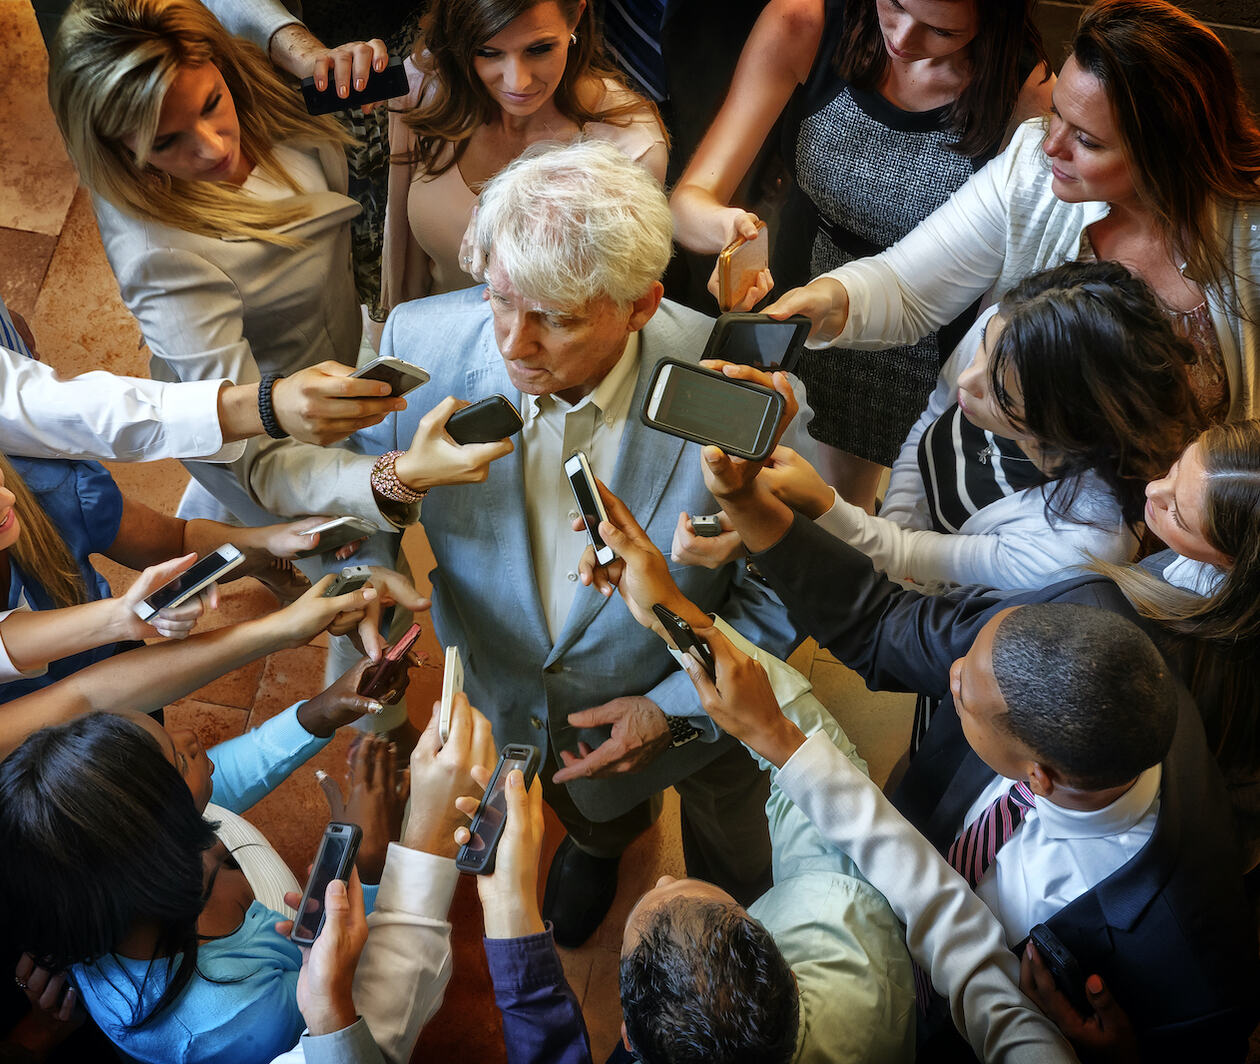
335, 534
685, 639
351, 578
708, 407
385, 85
476, 856
386, 681
490, 419
758, 340
706, 525
739, 264
1067, 973
337, 850
452, 684
192, 581
402, 377
590, 505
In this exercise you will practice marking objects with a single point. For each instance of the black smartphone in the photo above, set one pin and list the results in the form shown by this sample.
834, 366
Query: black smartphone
351, 578
476, 856
706, 525
387, 679
486, 421
335, 534
1063, 966
200, 575
590, 505
401, 376
385, 85
684, 639
758, 340
337, 850
707, 407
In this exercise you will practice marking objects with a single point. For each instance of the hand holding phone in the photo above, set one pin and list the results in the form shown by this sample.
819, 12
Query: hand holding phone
758, 340
707, 526
351, 578
402, 377
452, 684
740, 264
476, 856
335, 534
192, 581
1063, 967
334, 860
381, 85
685, 639
387, 679
490, 419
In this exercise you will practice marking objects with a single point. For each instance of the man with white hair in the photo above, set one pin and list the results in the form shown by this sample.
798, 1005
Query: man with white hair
569, 327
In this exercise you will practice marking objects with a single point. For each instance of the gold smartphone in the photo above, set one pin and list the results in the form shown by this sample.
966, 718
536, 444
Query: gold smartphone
739, 265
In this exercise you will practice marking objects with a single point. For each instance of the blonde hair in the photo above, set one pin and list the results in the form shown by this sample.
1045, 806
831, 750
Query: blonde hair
111, 65
40, 551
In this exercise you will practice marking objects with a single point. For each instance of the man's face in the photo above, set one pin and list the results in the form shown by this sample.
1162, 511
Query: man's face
980, 706
550, 349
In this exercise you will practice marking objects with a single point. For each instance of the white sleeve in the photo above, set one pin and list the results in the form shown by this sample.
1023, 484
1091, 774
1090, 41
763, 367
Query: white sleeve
255, 20
406, 963
8, 671
950, 932
100, 415
1016, 547
905, 501
939, 268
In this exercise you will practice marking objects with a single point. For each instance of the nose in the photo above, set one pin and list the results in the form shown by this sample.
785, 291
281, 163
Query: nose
210, 144
520, 339
516, 75
971, 380
902, 34
1157, 491
1054, 140
7, 498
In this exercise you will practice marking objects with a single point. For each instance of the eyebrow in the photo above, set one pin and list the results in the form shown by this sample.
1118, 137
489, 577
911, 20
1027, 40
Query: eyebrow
1081, 129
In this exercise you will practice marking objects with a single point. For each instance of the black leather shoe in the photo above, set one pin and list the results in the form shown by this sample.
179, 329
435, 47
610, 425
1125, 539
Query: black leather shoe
580, 891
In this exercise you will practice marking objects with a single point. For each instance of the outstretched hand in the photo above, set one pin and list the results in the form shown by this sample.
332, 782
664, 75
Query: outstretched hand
824, 301
1106, 1037
639, 733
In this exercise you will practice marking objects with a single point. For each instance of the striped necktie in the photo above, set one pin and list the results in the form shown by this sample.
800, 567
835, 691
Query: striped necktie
9, 335
632, 33
976, 848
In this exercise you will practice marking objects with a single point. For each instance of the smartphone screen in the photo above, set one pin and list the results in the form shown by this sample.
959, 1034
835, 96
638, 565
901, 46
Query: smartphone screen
200, 573
487, 825
336, 854
697, 404
761, 343
589, 505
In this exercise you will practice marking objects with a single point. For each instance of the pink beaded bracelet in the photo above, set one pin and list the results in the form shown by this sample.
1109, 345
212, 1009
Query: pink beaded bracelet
385, 480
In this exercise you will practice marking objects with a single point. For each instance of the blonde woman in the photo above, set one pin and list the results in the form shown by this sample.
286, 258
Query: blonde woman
222, 205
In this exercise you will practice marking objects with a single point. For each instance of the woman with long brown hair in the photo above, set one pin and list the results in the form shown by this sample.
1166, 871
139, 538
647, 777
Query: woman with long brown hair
886, 107
489, 78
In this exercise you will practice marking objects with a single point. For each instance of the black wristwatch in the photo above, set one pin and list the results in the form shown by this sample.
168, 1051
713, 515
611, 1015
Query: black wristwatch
680, 731
267, 412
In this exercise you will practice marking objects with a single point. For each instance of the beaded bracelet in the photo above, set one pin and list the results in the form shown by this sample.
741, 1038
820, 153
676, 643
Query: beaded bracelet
385, 480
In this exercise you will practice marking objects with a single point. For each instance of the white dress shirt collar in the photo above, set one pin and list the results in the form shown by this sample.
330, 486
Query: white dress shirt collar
1203, 578
1120, 816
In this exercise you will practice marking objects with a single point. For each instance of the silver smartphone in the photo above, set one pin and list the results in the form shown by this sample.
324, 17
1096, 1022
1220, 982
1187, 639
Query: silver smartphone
401, 376
335, 534
589, 504
452, 684
351, 578
192, 581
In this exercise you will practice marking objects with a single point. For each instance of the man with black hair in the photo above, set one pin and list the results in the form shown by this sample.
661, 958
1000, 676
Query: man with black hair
1065, 775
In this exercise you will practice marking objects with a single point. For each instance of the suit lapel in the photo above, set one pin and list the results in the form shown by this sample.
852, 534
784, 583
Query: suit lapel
645, 463
506, 499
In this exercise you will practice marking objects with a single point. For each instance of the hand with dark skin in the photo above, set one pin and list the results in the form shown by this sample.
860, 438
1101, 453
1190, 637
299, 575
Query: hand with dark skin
338, 704
1107, 1037
378, 797
56, 1010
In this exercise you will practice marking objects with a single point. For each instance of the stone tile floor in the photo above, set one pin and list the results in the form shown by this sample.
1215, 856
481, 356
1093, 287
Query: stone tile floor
53, 271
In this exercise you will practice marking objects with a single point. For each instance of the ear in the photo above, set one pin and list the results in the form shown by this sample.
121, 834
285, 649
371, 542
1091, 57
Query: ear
642, 309
1041, 779
625, 1038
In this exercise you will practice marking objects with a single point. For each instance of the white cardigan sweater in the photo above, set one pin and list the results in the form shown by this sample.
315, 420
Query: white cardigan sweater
1005, 224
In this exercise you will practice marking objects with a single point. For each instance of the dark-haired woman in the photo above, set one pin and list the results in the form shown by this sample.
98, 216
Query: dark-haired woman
1151, 157
888, 107
489, 78
1035, 450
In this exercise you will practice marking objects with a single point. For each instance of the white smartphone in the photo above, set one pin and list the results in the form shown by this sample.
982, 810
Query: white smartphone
401, 376
708, 407
335, 534
192, 581
590, 505
452, 684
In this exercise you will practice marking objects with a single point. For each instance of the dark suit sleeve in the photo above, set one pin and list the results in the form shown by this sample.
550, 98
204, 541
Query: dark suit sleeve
895, 639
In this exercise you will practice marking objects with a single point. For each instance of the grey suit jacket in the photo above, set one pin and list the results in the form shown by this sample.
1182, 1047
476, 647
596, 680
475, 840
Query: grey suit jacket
485, 595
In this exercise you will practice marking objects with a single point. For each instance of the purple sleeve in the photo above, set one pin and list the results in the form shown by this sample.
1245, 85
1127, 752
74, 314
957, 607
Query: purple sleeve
542, 1022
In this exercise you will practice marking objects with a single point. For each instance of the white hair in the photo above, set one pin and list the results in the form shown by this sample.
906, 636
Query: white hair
569, 223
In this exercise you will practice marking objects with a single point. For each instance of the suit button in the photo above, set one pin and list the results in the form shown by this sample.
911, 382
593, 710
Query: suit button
571, 576
536, 723
554, 668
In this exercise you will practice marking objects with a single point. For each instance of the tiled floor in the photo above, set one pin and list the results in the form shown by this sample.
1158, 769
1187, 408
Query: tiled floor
53, 271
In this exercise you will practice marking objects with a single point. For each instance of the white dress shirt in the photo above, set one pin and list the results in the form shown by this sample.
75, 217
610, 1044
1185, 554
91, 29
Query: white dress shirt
1058, 854
553, 431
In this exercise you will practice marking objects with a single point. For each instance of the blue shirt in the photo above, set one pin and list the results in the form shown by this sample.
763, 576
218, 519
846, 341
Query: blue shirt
85, 506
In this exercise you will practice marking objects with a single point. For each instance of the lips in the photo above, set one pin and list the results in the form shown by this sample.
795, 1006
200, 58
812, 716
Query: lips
7, 523
1061, 175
